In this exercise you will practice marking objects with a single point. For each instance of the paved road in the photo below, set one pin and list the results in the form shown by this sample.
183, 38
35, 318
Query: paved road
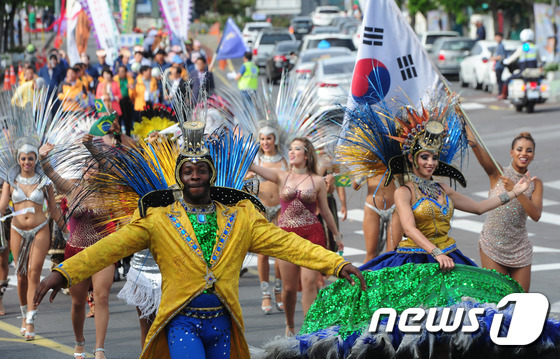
497, 122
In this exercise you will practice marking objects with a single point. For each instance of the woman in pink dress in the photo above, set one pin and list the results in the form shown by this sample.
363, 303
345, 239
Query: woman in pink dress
109, 91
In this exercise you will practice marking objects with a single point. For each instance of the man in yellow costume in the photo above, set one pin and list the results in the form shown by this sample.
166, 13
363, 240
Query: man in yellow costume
199, 242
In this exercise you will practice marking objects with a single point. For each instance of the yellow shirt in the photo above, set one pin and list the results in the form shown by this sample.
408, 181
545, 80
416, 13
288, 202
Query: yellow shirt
185, 273
23, 94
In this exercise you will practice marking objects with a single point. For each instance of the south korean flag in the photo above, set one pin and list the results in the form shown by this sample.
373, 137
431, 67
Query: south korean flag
391, 63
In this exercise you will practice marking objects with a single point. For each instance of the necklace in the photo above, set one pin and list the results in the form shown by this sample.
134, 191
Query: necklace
300, 171
199, 210
274, 158
28, 180
428, 188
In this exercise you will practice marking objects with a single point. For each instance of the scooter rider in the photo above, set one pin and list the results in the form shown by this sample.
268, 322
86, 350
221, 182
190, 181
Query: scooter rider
527, 57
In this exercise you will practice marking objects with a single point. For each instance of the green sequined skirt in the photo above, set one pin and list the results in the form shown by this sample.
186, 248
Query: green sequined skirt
337, 324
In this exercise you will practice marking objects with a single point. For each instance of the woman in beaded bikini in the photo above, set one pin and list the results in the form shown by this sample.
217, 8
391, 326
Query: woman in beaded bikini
270, 157
504, 242
301, 188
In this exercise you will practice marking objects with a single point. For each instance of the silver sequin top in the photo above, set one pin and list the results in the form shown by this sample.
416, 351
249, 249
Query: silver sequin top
504, 236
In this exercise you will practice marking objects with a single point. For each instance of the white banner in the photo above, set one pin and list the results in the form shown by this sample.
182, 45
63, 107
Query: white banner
391, 62
73, 8
186, 9
105, 27
177, 15
543, 24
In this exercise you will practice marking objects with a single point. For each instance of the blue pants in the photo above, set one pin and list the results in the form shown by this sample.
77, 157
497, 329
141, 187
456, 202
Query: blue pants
189, 335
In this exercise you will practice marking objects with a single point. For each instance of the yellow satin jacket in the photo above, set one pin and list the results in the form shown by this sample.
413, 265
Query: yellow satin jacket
168, 233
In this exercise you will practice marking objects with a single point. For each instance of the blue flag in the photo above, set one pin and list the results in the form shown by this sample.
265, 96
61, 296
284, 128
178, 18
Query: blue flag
231, 45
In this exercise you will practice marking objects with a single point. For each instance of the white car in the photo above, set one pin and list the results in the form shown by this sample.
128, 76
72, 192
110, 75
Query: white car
472, 69
489, 81
324, 15
477, 70
332, 78
252, 29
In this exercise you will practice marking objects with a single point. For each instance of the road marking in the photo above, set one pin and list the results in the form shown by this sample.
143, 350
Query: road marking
472, 106
539, 249
553, 184
544, 267
39, 340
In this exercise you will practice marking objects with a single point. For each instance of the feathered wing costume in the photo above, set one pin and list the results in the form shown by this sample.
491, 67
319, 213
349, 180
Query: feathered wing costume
24, 130
291, 113
338, 323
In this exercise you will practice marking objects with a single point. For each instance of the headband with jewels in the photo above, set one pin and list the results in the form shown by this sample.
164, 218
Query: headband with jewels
438, 130
194, 150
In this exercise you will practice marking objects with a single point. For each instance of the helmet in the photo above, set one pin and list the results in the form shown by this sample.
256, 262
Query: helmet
527, 35
135, 67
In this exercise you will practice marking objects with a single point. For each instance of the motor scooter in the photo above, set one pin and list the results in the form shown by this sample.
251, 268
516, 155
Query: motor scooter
528, 90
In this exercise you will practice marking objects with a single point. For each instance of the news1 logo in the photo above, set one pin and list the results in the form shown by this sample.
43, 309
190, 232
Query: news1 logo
527, 320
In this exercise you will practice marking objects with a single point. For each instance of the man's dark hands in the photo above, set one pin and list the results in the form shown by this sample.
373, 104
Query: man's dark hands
53, 281
349, 269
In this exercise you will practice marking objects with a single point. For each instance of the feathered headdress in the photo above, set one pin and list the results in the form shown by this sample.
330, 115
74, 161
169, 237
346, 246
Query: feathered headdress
25, 129
376, 141
155, 117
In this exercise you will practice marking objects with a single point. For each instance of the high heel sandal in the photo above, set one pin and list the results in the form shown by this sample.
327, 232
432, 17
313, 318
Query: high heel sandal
80, 355
23, 309
290, 330
98, 350
3, 287
30, 320
278, 292
266, 295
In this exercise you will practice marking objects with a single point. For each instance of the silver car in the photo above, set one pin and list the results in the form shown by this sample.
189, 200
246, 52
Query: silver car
265, 42
333, 78
448, 52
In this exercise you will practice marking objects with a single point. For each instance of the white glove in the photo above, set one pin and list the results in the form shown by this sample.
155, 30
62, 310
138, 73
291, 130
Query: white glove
231, 75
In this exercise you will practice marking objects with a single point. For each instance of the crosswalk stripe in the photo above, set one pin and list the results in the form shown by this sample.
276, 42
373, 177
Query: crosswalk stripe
472, 106
544, 267
553, 184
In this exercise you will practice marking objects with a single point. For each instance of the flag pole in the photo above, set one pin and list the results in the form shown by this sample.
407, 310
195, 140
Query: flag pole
467, 120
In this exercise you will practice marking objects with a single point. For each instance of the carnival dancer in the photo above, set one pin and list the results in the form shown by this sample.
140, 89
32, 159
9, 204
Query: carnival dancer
504, 242
85, 230
28, 189
364, 156
301, 188
199, 315
270, 157
427, 270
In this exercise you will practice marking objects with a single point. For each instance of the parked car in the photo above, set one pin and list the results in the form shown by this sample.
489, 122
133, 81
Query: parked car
300, 26
428, 38
324, 15
333, 77
252, 29
265, 41
489, 82
282, 58
324, 30
350, 27
327, 41
307, 59
472, 69
448, 52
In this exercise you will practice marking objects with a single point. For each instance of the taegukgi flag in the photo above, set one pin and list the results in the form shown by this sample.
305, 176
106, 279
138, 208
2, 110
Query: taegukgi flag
391, 62
231, 45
